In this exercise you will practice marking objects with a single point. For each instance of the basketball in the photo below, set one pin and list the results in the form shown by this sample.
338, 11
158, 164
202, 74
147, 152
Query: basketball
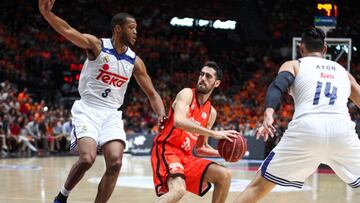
232, 151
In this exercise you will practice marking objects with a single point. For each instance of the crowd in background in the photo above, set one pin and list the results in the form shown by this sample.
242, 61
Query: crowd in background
31, 128
35, 121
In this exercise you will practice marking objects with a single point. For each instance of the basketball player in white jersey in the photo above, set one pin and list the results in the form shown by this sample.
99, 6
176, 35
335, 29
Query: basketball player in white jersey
103, 82
321, 130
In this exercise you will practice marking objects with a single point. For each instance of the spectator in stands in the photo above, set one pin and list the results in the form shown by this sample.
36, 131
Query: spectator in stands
23, 95
42, 138
4, 148
37, 132
66, 130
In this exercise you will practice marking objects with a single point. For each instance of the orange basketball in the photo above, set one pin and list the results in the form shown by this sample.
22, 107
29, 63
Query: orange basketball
232, 151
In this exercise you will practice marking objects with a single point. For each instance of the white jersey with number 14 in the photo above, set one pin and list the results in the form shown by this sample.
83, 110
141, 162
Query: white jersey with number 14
320, 87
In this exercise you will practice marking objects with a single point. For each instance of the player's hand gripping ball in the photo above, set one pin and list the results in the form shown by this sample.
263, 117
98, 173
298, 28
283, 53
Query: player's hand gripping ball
232, 151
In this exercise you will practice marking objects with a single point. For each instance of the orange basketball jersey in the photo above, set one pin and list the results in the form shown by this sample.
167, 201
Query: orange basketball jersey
182, 139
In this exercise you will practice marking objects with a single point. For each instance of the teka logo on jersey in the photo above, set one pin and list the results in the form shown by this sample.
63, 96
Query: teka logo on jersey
110, 78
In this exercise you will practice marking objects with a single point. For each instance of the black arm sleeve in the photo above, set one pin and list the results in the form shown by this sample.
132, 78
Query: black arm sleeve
281, 83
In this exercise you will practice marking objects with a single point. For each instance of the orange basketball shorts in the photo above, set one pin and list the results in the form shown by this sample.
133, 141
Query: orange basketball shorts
169, 161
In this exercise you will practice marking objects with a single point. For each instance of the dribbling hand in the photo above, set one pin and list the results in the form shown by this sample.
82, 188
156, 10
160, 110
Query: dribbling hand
225, 134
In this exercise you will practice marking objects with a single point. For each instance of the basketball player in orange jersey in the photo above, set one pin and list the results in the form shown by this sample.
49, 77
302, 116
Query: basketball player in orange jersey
175, 169
321, 130
102, 86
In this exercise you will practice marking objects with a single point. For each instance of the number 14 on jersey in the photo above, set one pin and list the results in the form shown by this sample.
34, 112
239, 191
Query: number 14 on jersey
331, 94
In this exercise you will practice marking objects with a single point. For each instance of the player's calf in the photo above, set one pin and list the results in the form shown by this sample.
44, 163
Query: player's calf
221, 178
172, 196
177, 189
178, 193
256, 190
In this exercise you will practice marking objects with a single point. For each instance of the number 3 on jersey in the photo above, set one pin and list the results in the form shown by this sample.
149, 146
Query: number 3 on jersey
106, 93
332, 96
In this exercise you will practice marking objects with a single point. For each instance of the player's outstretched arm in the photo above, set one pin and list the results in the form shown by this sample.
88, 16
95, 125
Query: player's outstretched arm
85, 41
280, 85
144, 81
181, 110
355, 91
202, 146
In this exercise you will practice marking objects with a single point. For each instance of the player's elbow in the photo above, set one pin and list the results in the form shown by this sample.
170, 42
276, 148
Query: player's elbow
77, 39
198, 151
178, 123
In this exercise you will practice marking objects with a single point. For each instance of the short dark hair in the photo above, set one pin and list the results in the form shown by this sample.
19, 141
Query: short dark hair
119, 19
214, 65
313, 38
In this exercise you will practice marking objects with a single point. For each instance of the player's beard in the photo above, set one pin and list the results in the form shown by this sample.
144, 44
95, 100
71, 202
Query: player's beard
203, 89
126, 40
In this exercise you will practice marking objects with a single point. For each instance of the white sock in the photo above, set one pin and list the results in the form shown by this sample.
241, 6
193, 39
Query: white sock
64, 191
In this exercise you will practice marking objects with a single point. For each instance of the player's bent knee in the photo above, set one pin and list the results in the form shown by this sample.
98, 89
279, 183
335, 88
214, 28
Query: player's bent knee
114, 167
225, 176
86, 162
221, 174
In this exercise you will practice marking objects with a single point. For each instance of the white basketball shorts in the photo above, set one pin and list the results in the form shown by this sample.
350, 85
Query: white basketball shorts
312, 140
99, 123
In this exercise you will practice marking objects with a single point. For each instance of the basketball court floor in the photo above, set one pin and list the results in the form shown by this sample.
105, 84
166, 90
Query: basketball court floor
38, 180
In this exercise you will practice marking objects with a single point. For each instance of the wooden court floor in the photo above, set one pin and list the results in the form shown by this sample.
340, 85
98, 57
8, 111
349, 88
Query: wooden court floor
38, 180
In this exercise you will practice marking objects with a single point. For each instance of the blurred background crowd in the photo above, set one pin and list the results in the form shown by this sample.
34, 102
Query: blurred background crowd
39, 68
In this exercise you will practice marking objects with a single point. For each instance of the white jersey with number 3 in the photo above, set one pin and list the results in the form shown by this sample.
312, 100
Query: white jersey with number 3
320, 87
103, 81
